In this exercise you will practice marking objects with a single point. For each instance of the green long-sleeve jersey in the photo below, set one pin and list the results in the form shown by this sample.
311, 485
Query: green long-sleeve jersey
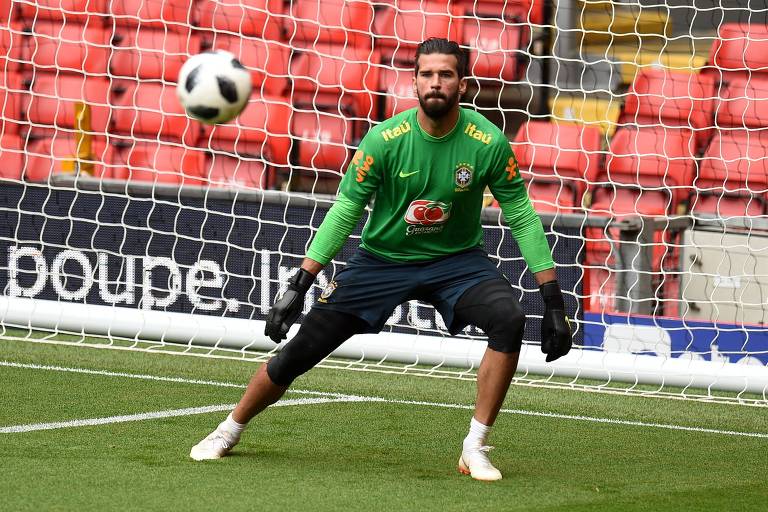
428, 192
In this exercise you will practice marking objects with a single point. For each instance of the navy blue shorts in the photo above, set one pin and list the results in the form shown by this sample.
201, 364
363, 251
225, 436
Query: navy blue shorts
371, 288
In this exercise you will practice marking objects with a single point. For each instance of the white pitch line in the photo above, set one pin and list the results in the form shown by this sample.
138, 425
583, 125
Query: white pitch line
106, 373
89, 422
355, 398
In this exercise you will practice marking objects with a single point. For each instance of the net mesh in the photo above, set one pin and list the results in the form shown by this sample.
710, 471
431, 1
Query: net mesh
639, 128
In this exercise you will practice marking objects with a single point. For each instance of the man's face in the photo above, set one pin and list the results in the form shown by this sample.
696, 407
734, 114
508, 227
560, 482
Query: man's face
437, 84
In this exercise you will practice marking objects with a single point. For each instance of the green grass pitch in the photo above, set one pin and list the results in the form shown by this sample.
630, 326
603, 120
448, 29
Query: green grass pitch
356, 455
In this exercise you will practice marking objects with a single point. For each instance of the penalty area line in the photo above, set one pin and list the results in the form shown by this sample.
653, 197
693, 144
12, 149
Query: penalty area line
173, 413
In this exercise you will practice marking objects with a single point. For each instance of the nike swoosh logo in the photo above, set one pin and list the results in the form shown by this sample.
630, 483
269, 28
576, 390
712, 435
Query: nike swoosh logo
404, 174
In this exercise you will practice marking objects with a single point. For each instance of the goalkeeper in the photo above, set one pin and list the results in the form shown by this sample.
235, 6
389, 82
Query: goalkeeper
426, 169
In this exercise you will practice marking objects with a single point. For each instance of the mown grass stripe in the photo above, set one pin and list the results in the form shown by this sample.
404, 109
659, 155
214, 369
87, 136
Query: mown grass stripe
356, 398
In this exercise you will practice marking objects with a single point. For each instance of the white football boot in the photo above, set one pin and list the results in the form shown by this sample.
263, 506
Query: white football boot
215, 445
475, 462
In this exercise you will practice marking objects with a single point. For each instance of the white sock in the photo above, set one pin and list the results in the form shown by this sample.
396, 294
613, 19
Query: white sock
478, 433
230, 425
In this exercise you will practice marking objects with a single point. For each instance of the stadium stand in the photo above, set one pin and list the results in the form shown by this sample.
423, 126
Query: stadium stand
12, 156
494, 45
78, 11
252, 18
396, 86
335, 78
67, 47
152, 135
494, 33
151, 53
246, 152
56, 154
158, 162
520, 10
10, 47
733, 176
323, 140
10, 102
646, 173
266, 59
50, 104
742, 103
161, 14
557, 161
146, 110
341, 22
740, 49
324, 70
663, 100
225, 171
400, 27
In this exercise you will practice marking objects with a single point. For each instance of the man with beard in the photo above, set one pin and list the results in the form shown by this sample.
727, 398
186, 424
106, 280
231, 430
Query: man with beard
427, 169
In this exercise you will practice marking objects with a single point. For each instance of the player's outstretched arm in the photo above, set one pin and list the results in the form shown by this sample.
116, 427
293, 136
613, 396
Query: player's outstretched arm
331, 235
556, 337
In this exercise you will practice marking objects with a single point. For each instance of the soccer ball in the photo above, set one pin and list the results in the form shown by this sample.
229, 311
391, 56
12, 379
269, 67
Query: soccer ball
213, 87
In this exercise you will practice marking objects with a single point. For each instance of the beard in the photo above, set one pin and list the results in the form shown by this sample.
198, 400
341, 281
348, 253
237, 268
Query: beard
439, 108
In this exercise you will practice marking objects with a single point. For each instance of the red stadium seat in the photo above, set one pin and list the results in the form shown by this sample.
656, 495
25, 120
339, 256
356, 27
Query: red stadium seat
330, 21
399, 29
733, 176
225, 171
5, 10
11, 47
56, 155
261, 130
323, 140
557, 160
396, 83
743, 103
57, 47
70, 10
159, 162
670, 99
266, 60
740, 49
150, 53
336, 78
12, 156
649, 172
526, 11
494, 46
52, 100
255, 18
11, 95
166, 14
152, 111
599, 287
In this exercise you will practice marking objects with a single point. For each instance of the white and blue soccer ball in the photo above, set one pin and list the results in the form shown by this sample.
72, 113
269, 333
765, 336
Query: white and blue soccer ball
213, 87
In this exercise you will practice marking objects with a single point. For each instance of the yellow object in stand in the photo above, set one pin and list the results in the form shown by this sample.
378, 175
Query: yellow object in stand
600, 112
83, 159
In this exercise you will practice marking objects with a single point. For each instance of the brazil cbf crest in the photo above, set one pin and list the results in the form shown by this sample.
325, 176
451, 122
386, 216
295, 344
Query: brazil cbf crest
328, 291
463, 175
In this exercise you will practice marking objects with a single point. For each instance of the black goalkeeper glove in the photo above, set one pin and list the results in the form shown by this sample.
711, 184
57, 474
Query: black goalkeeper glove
556, 338
286, 310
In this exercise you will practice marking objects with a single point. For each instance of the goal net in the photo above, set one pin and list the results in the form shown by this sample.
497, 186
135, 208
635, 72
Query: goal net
639, 127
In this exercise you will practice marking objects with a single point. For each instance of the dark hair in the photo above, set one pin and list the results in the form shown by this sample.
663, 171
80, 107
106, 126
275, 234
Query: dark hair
440, 45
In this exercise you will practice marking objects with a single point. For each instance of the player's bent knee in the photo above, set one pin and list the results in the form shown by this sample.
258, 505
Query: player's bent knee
493, 307
505, 332
314, 341
289, 364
